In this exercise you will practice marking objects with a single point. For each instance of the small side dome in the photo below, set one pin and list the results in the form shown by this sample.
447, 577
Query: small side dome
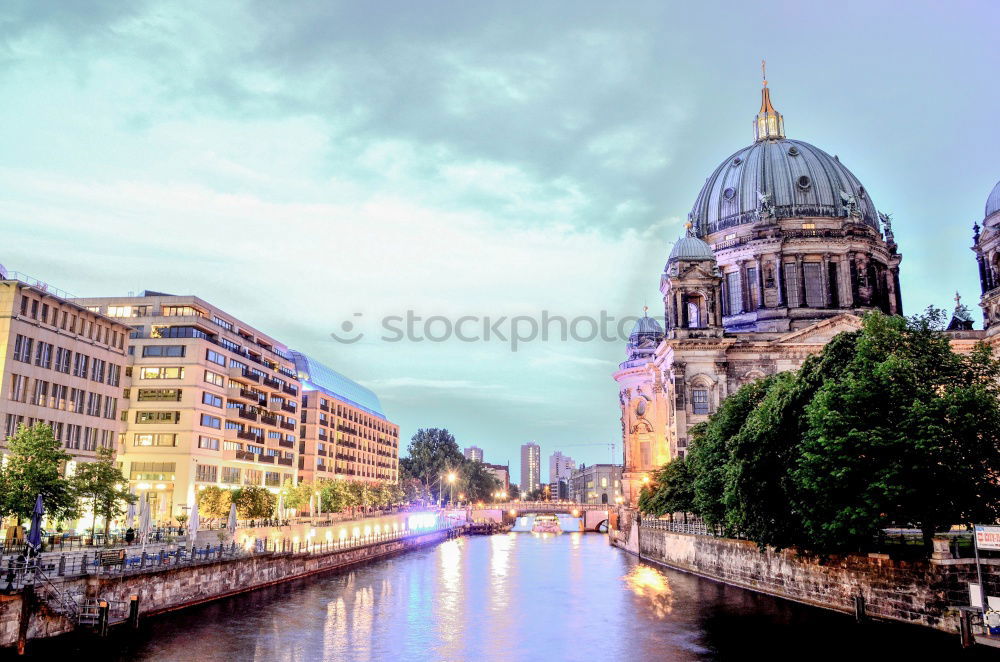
690, 248
646, 326
993, 202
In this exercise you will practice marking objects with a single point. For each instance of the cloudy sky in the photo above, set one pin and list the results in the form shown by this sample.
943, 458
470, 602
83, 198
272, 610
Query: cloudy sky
306, 164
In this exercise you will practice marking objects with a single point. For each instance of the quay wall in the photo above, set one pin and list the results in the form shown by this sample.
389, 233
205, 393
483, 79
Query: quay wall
924, 592
168, 588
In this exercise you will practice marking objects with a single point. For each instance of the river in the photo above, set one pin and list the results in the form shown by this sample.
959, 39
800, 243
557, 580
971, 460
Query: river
509, 597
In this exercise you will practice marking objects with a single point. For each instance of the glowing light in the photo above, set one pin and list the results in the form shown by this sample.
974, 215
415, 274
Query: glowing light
378, 529
356, 532
451, 477
368, 531
329, 536
343, 534
144, 486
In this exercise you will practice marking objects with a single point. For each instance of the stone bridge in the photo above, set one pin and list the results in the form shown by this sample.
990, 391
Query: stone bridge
593, 516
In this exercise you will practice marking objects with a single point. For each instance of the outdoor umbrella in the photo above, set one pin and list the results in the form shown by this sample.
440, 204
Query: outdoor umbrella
232, 520
130, 514
35, 535
193, 524
144, 522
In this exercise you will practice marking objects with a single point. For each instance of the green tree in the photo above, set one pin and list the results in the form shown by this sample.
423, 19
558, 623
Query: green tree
709, 451
476, 482
214, 502
254, 502
34, 465
908, 432
102, 483
670, 491
433, 453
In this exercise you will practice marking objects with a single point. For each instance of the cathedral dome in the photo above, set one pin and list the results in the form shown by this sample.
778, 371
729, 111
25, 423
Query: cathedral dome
993, 202
778, 178
690, 248
794, 178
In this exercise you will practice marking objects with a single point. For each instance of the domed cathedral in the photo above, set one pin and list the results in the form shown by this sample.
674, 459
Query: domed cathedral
784, 249
986, 241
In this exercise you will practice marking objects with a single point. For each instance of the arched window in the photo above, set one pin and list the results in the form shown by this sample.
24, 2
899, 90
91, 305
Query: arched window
694, 315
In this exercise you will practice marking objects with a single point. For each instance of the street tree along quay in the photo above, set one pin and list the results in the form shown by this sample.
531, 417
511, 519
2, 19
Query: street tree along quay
102, 484
887, 426
34, 465
433, 454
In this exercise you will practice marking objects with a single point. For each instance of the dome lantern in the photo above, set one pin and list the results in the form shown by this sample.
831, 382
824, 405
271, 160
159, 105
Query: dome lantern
769, 124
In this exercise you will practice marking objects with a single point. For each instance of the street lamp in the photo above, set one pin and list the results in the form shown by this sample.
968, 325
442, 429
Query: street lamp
451, 481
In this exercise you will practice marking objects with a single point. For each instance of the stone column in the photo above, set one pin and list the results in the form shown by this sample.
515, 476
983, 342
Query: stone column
760, 282
844, 276
779, 268
801, 272
824, 277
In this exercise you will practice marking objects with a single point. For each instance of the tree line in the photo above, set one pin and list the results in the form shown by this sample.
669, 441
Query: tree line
433, 457
887, 426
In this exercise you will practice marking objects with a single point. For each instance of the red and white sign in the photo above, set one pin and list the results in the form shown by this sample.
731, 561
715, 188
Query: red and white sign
988, 537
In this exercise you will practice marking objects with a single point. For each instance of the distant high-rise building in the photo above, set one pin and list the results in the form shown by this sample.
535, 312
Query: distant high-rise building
531, 467
474, 453
560, 467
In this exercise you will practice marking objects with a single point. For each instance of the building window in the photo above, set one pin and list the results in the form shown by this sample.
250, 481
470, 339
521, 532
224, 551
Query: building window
272, 479
814, 284
211, 399
209, 443
214, 378
211, 421
161, 373
154, 440
734, 293
80, 364
22, 349
18, 389
114, 374
159, 395
97, 371
181, 311
63, 358
231, 475
163, 350
252, 477
699, 400
215, 357
792, 294
148, 417
206, 473
153, 470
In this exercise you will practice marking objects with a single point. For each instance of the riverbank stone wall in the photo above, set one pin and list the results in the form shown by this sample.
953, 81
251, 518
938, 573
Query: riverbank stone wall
925, 592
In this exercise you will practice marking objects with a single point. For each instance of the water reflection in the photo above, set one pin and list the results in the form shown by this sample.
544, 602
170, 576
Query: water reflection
654, 587
510, 597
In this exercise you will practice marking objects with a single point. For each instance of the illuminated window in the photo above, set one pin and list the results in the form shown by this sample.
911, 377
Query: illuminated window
154, 440
161, 373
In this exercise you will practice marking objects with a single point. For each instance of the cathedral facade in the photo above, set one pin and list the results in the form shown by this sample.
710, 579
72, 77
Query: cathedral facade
784, 249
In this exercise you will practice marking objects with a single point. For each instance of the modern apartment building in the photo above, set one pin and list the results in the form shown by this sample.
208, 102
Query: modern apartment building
531, 467
560, 467
598, 483
343, 432
211, 400
60, 364
474, 453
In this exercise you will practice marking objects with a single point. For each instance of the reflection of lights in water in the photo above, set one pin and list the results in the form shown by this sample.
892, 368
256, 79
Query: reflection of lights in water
652, 585
574, 538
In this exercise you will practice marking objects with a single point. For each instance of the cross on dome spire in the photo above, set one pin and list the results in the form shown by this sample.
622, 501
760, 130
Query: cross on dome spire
769, 124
